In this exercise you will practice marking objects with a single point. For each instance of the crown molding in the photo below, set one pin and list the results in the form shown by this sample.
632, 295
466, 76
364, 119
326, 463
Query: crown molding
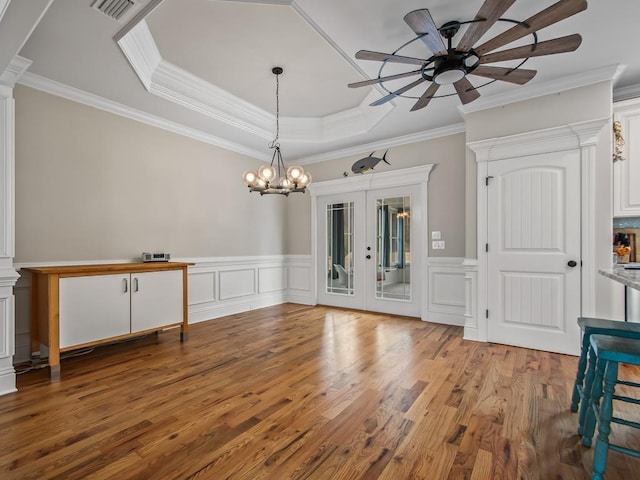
180, 86
3, 7
17, 66
141, 52
70, 93
388, 143
626, 93
603, 74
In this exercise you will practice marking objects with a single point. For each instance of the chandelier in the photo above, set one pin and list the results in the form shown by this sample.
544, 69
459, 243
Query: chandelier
293, 179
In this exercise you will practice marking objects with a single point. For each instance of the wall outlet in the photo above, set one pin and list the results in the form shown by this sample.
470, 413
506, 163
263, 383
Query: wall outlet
438, 245
435, 235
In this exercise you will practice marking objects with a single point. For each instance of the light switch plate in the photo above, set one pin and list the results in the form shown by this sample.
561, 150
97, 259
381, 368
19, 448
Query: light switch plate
435, 235
437, 245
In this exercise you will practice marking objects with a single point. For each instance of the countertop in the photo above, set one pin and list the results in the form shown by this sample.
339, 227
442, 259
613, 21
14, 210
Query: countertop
630, 278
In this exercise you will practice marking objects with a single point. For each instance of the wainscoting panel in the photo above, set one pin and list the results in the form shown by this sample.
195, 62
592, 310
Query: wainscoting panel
202, 286
237, 283
446, 297
272, 279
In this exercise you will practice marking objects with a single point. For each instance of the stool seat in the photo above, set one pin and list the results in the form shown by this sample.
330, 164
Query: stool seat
619, 349
607, 352
590, 326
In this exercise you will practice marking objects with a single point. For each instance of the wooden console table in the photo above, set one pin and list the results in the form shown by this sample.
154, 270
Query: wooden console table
80, 306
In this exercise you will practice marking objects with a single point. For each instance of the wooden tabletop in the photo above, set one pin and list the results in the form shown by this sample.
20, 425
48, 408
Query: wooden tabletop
107, 267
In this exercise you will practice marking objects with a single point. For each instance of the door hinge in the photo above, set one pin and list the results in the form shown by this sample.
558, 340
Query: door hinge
486, 180
486, 247
486, 313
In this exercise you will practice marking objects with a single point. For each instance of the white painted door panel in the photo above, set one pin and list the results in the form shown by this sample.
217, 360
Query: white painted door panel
533, 235
93, 308
156, 299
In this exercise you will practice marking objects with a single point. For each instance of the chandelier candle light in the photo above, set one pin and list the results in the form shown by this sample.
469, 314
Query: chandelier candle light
293, 179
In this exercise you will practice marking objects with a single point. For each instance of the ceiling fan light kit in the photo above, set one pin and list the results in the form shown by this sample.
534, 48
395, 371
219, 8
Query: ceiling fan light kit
293, 179
452, 65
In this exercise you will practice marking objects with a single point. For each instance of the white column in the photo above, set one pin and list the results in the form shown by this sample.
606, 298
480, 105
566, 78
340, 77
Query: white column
8, 275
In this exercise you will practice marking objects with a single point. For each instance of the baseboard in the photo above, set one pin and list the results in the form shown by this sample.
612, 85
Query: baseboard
446, 319
7, 381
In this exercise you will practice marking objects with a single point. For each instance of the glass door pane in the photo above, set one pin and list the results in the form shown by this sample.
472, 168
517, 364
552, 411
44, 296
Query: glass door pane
340, 268
393, 248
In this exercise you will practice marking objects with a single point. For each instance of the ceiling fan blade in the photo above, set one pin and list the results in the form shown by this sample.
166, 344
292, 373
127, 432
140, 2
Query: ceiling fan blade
466, 91
426, 97
381, 57
555, 13
549, 47
520, 76
383, 79
490, 11
400, 91
421, 23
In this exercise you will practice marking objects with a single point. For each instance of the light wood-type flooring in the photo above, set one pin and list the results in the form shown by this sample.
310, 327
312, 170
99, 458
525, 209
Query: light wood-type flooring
297, 392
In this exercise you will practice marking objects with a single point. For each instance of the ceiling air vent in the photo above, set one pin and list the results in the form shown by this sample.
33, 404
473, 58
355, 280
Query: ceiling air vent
113, 8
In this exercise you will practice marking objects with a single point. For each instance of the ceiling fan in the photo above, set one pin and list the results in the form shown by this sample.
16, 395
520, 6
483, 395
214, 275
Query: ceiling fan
451, 64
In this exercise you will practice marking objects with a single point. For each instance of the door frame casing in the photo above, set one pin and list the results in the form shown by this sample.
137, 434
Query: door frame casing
362, 183
581, 136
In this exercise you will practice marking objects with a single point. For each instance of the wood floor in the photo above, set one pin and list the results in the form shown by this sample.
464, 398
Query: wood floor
303, 393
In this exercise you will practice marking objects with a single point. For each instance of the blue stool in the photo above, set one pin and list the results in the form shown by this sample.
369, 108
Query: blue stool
607, 352
596, 326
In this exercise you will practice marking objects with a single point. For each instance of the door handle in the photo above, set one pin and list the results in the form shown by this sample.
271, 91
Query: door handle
572, 263
135, 284
368, 257
126, 285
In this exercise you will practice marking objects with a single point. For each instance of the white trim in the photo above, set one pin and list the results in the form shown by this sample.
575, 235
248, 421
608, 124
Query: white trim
603, 74
388, 143
168, 81
141, 52
470, 267
3, 7
392, 178
17, 66
548, 140
626, 93
76, 95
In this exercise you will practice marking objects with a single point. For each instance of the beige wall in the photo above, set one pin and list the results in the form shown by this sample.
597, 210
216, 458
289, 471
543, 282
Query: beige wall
91, 185
446, 190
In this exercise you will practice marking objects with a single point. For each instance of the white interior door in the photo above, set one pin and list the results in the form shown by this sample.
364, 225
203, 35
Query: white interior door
367, 243
533, 257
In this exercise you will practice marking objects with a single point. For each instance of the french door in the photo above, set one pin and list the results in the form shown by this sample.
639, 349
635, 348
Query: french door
370, 250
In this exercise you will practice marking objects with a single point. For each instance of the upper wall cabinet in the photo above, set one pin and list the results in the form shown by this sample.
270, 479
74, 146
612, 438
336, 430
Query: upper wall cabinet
626, 173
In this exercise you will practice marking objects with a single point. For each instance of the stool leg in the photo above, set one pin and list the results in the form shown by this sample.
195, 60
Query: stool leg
578, 386
585, 404
593, 404
604, 422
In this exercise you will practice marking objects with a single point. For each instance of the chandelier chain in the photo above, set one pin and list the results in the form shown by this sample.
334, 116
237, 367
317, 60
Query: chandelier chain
274, 143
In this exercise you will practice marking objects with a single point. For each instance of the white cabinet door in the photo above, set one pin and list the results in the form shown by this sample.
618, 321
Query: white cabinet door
156, 299
626, 173
93, 308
